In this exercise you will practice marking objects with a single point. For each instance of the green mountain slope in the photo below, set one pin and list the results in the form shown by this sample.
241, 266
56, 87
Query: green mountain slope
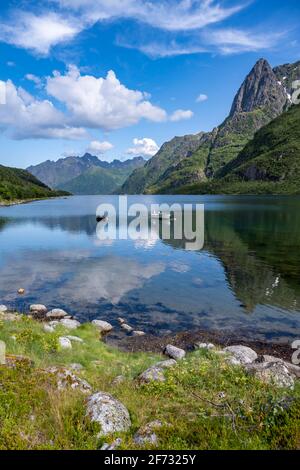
269, 163
273, 154
17, 184
170, 154
264, 95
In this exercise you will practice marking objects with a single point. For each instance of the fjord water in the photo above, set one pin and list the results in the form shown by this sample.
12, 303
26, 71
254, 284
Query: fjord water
246, 279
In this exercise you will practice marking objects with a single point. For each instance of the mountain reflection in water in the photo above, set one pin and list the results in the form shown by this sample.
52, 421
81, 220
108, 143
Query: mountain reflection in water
246, 278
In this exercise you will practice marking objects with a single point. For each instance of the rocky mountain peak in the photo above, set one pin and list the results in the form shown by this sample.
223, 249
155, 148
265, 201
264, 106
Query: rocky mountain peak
260, 89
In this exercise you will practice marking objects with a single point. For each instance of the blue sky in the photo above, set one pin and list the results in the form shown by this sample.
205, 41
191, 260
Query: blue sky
120, 77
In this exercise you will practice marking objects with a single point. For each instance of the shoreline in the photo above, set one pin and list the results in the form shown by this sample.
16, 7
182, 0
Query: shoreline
132, 340
64, 378
186, 340
28, 201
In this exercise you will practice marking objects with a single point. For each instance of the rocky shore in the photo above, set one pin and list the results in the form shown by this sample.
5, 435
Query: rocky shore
186, 367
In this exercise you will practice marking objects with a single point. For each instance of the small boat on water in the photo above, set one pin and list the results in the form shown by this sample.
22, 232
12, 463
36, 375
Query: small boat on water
101, 218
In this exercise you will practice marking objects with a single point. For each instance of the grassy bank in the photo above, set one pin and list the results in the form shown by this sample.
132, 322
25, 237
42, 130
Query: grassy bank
205, 403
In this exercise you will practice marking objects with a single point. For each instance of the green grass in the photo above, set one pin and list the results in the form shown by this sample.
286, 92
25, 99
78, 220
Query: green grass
204, 403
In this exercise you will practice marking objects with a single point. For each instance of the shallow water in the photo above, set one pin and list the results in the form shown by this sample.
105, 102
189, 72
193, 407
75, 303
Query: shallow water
245, 279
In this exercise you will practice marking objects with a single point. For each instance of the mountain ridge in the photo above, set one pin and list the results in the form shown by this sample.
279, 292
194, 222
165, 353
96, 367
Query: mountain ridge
79, 174
264, 94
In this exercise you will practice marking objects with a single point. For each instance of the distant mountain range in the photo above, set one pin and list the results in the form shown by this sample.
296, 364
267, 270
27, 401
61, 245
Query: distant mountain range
196, 161
17, 184
87, 174
220, 161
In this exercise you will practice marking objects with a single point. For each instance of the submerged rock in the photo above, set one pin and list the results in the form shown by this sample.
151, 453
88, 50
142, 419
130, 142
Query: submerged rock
146, 434
138, 333
56, 313
110, 413
174, 352
126, 327
102, 326
242, 354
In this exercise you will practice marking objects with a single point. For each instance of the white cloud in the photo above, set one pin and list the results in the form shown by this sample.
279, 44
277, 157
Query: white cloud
157, 50
38, 33
89, 102
144, 147
174, 15
33, 78
181, 115
230, 41
99, 148
25, 117
101, 102
201, 98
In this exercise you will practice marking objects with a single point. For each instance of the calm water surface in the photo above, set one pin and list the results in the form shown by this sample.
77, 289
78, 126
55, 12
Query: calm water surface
246, 279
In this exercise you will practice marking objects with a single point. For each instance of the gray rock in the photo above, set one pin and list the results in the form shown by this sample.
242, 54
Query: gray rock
76, 366
138, 333
39, 309
49, 328
70, 324
242, 354
166, 364
126, 327
66, 379
76, 339
111, 414
121, 320
293, 368
153, 374
56, 314
274, 373
118, 380
146, 435
174, 353
207, 346
10, 317
233, 361
64, 343
102, 326
3, 309
112, 446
